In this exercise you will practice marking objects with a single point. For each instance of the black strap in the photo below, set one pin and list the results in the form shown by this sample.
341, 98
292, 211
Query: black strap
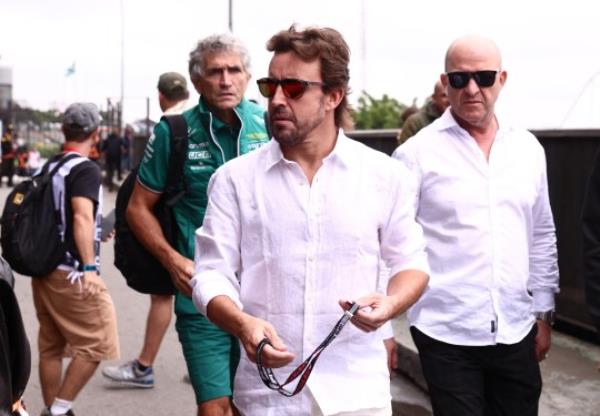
63, 159
179, 146
303, 370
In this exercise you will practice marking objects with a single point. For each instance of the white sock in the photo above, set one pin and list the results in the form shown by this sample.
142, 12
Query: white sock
60, 407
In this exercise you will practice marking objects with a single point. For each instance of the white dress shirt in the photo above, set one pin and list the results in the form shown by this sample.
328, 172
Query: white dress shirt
489, 230
287, 251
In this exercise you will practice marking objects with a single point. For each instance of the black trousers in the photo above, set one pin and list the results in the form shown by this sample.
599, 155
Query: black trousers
496, 380
112, 165
7, 168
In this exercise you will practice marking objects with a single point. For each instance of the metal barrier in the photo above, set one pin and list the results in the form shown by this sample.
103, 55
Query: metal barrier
570, 156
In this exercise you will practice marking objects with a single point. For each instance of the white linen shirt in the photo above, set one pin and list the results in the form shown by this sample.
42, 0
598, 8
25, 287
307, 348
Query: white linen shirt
489, 230
287, 251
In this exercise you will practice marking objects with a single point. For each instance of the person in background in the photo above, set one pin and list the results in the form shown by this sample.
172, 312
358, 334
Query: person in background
433, 108
127, 143
112, 148
8, 151
173, 93
33, 161
74, 309
484, 322
172, 96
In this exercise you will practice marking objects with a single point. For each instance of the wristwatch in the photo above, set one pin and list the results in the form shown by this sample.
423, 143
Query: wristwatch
547, 316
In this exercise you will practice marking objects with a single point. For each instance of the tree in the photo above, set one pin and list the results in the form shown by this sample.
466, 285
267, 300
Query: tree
37, 117
373, 113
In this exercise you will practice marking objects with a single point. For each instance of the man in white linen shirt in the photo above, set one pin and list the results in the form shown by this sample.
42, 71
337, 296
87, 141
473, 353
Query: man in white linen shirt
483, 205
295, 231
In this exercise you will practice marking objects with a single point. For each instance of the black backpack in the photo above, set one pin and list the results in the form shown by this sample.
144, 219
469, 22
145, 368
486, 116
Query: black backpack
141, 270
30, 237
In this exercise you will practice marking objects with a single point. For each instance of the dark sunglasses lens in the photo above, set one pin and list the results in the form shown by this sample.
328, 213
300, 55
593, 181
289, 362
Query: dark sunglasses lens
458, 80
292, 88
266, 87
485, 78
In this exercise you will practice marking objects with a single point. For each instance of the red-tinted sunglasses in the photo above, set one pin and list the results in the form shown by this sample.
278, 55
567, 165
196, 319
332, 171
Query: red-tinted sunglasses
291, 87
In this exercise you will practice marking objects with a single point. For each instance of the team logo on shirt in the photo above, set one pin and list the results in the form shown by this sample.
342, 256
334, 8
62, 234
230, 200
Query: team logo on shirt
199, 155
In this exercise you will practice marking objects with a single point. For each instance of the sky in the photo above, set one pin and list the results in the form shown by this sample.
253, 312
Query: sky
551, 49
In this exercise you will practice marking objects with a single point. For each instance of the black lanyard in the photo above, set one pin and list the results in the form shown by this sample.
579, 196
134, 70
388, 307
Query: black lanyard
303, 370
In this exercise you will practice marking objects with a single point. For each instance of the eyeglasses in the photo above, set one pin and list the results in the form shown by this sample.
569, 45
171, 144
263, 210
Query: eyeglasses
291, 87
303, 370
460, 80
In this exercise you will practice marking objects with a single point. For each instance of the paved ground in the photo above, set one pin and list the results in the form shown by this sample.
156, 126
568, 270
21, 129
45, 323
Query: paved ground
571, 382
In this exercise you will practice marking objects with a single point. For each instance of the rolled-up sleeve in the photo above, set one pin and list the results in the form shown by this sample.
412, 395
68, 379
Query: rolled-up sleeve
402, 239
217, 249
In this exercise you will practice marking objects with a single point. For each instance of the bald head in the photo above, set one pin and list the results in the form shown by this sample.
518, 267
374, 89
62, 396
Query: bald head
472, 48
472, 98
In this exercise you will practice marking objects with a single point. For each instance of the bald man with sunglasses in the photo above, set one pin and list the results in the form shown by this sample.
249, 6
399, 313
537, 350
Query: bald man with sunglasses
483, 323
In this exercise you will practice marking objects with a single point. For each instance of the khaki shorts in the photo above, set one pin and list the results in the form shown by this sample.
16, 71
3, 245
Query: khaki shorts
74, 322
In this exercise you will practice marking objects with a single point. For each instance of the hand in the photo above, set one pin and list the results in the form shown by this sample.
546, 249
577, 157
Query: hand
181, 269
375, 310
392, 353
92, 283
542, 340
252, 331
109, 236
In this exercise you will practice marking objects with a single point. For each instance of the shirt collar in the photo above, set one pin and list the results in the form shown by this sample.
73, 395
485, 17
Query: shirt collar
447, 121
203, 108
178, 108
341, 152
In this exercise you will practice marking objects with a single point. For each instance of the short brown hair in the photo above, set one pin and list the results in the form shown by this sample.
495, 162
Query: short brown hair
76, 135
329, 47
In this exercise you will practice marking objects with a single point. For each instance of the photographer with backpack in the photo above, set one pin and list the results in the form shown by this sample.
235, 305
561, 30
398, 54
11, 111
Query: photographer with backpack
72, 302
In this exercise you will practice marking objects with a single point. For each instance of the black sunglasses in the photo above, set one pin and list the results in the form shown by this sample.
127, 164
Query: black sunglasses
460, 79
291, 87
303, 370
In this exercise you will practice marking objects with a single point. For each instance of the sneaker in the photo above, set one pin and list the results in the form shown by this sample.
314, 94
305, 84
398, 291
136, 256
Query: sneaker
129, 374
47, 412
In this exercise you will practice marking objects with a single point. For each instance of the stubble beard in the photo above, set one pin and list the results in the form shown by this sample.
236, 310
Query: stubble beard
296, 135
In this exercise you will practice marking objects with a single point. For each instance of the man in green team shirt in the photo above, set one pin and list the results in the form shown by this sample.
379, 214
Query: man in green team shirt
222, 126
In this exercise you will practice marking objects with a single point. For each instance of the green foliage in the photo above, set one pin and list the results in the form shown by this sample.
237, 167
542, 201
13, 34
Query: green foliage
373, 113
37, 117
